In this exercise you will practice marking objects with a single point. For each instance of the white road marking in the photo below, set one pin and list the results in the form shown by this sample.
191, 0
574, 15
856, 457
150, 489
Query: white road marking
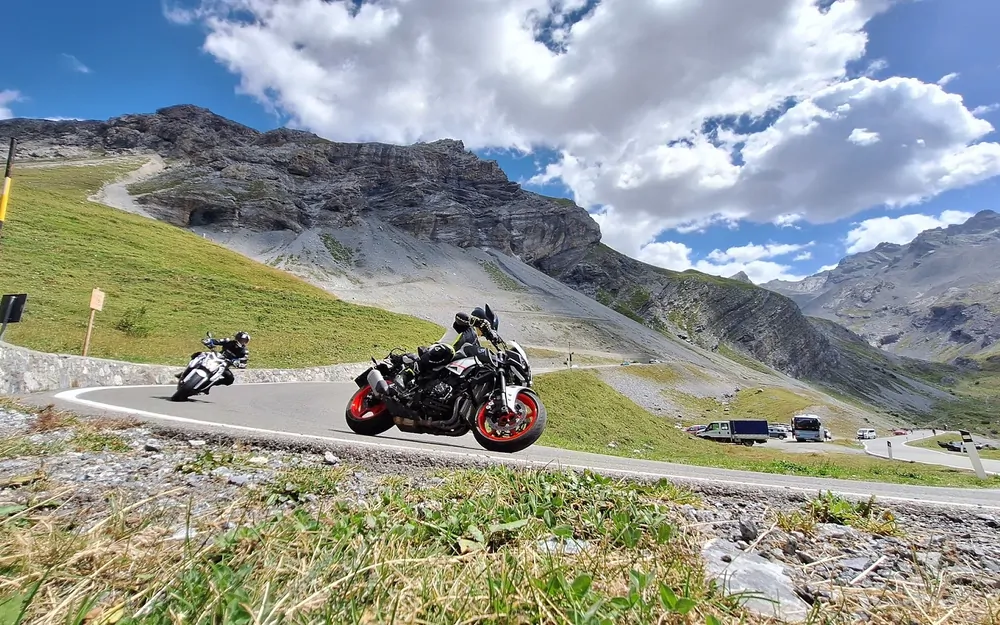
74, 397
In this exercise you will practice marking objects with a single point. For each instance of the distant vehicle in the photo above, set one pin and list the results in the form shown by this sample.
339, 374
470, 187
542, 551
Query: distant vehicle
694, 429
865, 433
807, 428
777, 430
742, 431
900, 432
960, 445
654, 361
625, 363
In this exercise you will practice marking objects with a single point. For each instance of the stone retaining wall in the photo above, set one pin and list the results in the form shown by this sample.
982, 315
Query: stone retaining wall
25, 371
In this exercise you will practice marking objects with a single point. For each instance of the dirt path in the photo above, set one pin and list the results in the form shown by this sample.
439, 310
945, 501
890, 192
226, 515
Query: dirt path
115, 194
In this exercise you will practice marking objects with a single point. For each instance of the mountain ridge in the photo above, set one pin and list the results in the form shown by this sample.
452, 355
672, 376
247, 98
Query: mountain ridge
295, 189
936, 297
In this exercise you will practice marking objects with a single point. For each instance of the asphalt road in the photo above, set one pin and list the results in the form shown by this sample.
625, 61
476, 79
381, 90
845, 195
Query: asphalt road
902, 451
316, 411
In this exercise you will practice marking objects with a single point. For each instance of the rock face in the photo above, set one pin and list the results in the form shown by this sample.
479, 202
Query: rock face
937, 297
226, 177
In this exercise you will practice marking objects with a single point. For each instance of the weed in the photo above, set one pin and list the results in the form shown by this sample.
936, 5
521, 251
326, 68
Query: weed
97, 441
135, 322
864, 515
304, 483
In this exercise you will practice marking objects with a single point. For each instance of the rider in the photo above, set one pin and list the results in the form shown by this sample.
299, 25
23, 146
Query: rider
234, 350
462, 337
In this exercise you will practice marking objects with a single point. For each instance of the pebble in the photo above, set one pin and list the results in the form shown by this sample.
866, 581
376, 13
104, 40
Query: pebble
330, 458
196, 443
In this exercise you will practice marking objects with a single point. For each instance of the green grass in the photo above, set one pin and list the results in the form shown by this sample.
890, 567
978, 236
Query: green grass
932, 443
661, 374
585, 414
57, 246
500, 277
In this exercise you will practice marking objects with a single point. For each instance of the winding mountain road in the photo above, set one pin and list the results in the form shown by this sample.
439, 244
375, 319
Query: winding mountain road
315, 411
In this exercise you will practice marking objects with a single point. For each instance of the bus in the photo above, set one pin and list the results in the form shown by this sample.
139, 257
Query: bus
807, 427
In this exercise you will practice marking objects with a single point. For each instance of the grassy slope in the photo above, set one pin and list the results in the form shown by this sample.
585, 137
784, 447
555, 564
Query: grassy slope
775, 404
57, 246
585, 414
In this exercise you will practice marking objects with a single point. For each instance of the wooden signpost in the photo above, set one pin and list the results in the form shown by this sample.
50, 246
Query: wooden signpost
96, 304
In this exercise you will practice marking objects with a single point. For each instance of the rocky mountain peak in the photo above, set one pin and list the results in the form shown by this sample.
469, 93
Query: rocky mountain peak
741, 276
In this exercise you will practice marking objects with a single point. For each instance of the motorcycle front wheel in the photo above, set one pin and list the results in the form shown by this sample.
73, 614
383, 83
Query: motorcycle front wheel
514, 431
185, 389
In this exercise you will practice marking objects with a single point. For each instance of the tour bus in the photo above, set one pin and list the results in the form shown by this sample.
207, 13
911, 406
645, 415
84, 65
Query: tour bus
807, 427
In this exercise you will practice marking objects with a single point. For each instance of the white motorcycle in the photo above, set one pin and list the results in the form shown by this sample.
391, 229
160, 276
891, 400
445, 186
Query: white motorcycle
204, 371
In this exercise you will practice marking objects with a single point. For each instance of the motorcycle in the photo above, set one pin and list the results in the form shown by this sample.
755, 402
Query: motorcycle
204, 371
485, 392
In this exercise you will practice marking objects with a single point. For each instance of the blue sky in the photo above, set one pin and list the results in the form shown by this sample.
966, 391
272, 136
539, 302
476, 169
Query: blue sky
102, 59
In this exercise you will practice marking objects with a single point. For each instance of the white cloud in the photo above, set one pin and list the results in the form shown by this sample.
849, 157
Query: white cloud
76, 64
947, 78
985, 108
747, 258
623, 100
7, 97
803, 256
828, 267
903, 229
863, 136
787, 220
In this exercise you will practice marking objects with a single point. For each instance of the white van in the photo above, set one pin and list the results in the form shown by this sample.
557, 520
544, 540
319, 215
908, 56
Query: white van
866, 433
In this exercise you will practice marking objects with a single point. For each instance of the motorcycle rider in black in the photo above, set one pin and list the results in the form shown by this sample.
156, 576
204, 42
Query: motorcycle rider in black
461, 339
233, 349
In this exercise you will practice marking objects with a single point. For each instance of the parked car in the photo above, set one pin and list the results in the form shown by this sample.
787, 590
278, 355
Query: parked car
866, 433
778, 430
695, 429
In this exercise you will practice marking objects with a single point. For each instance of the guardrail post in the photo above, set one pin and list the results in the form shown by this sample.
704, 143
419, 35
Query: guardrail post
888, 445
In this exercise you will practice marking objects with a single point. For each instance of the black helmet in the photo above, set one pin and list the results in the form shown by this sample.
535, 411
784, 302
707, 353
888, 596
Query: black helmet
488, 315
462, 322
242, 338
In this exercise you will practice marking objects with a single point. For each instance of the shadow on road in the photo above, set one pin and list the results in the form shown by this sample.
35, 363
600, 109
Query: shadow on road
430, 439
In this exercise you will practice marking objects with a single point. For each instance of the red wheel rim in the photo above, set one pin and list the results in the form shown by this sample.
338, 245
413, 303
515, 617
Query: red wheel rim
528, 420
361, 409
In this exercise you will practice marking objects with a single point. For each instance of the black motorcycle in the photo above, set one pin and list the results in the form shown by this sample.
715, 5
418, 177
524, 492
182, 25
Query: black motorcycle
486, 392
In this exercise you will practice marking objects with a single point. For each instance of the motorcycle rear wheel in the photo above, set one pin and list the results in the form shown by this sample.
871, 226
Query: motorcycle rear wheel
366, 417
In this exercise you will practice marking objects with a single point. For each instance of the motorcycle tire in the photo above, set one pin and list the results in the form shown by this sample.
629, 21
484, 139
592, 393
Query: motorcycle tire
521, 440
185, 389
379, 421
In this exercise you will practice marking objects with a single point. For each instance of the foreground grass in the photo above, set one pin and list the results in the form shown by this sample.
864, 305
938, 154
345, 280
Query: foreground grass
166, 287
585, 414
932, 443
469, 550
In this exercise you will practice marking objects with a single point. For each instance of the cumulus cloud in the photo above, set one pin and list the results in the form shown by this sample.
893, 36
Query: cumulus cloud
624, 91
7, 97
751, 259
903, 229
803, 256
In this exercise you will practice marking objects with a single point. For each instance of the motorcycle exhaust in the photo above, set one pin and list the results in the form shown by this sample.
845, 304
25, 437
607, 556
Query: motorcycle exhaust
377, 382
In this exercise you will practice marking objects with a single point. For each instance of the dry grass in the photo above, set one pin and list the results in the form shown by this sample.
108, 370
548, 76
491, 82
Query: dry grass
465, 551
